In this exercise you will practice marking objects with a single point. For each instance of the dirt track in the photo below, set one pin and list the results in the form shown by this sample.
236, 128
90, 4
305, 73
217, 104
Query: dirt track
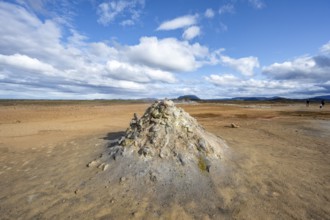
280, 167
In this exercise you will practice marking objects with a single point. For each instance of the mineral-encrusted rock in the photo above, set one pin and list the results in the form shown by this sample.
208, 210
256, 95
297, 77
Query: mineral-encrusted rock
165, 158
166, 132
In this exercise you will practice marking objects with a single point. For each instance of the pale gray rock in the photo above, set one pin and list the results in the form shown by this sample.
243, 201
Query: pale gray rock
166, 133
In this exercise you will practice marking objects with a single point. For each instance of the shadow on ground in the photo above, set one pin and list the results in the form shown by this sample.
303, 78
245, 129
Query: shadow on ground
113, 137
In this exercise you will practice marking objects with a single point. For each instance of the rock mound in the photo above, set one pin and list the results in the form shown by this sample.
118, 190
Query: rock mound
165, 158
165, 132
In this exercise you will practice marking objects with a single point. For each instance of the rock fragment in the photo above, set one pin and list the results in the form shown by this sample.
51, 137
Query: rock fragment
201, 145
92, 164
105, 167
181, 159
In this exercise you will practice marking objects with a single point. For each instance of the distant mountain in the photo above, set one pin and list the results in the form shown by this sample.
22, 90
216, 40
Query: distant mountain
252, 98
319, 98
243, 98
189, 98
147, 99
278, 98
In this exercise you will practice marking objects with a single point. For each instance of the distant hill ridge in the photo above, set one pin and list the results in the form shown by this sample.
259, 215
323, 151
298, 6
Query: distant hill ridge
275, 98
189, 98
278, 98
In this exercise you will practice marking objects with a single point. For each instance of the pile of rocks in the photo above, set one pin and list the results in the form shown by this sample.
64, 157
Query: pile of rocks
166, 132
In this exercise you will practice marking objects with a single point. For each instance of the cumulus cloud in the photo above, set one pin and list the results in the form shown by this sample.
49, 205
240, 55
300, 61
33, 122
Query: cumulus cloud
245, 65
24, 62
232, 80
234, 86
325, 49
223, 80
34, 57
22, 27
305, 68
227, 8
209, 13
109, 11
37, 57
137, 73
25, 34
180, 22
168, 54
43, 59
300, 77
191, 32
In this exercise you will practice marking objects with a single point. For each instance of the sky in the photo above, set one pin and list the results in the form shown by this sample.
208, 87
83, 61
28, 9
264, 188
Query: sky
132, 49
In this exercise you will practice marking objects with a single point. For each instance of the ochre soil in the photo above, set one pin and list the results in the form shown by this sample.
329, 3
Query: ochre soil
279, 162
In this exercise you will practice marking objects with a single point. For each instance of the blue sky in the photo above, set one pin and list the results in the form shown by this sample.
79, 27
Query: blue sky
104, 49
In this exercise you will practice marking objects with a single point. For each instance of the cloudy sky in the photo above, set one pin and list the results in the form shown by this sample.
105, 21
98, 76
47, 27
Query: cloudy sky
104, 49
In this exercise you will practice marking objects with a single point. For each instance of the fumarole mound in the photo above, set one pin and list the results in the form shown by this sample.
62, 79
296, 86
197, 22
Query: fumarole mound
165, 133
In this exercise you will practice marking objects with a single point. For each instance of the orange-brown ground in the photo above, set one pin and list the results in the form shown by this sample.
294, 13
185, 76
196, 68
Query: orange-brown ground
280, 167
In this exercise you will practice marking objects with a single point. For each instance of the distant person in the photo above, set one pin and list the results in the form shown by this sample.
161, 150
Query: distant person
307, 103
322, 103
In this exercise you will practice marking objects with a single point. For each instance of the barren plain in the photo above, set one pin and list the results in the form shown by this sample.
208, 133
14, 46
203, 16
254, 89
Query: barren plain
278, 166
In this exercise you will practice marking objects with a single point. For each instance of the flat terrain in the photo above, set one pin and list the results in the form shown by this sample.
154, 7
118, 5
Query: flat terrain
279, 165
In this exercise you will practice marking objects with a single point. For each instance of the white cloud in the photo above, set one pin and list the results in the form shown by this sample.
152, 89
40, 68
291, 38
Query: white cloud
325, 49
234, 86
128, 22
33, 56
232, 80
25, 34
258, 4
244, 65
36, 5
137, 73
180, 22
209, 13
228, 8
39, 60
61, 11
191, 32
37, 56
109, 11
20, 21
301, 77
168, 54
305, 68
100, 52
24, 62
76, 38
223, 80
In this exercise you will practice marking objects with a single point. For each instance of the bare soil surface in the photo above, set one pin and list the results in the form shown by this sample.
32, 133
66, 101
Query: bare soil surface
278, 166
